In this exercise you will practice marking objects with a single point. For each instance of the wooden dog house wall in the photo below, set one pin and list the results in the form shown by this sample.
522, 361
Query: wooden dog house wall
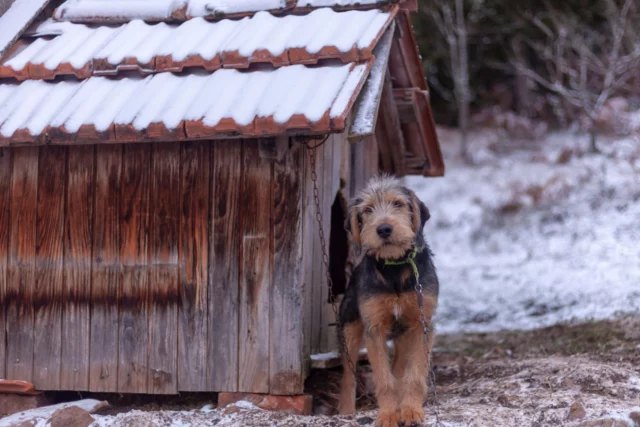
144, 252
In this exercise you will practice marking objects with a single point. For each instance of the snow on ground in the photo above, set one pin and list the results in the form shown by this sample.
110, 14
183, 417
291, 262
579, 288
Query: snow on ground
537, 235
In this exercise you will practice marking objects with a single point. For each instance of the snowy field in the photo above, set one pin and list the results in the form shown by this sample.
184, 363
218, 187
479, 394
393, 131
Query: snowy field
535, 235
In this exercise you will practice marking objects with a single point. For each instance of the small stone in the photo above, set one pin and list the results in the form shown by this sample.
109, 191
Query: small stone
365, 420
577, 411
604, 422
508, 401
26, 424
71, 416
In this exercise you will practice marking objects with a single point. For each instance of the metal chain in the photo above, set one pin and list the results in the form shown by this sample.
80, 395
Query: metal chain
323, 245
431, 376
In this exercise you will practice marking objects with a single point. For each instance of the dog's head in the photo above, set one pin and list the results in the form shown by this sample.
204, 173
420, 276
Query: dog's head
386, 217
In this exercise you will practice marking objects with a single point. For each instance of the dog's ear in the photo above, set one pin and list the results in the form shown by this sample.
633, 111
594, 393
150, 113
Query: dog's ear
420, 212
352, 223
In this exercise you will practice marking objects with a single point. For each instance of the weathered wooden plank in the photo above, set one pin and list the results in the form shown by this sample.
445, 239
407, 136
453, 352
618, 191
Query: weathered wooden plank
256, 202
194, 265
224, 266
390, 135
48, 292
309, 214
286, 366
103, 371
77, 274
163, 286
134, 244
21, 273
368, 103
318, 276
5, 201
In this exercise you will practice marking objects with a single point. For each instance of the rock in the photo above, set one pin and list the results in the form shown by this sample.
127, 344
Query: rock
71, 417
605, 422
25, 424
509, 401
577, 411
14, 403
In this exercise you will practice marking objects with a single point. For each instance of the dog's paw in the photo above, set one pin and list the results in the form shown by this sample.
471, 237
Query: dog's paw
411, 415
388, 419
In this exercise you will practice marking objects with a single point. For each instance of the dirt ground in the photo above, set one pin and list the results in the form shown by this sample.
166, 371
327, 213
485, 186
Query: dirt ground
584, 375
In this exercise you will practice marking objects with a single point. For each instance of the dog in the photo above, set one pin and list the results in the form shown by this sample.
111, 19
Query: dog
381, 302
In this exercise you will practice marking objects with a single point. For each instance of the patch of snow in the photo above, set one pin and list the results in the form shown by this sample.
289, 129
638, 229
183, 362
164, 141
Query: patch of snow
208, 408
330, 3
367, 109
246, 405
169, 99
43, 414
117, 9
16, 19
349, 91
569, 252
78, 44
226, 7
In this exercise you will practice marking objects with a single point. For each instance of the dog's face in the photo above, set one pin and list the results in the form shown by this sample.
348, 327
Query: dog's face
385, 218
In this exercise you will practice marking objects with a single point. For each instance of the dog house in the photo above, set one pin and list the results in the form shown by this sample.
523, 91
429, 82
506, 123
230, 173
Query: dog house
157, 221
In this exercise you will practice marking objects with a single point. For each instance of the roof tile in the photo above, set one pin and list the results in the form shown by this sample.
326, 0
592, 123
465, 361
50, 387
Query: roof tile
168, 10
82, 51
167, 106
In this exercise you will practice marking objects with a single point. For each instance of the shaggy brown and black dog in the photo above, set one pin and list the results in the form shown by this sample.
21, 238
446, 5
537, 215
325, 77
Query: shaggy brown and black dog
381, 302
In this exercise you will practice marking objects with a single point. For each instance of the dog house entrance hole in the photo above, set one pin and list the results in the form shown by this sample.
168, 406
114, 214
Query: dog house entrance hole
338, 245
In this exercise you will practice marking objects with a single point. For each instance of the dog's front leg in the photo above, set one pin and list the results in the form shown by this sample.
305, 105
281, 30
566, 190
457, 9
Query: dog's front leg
414, 378
385, 382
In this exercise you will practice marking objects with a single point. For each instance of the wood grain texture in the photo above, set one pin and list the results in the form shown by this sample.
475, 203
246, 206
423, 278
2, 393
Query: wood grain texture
77, 273
194, 264
224, 266
103, 370
163, 285
134, 246
21, 274
317, 275
5, 201
309, 214
286, 363
389, 131
256, 204
48, 291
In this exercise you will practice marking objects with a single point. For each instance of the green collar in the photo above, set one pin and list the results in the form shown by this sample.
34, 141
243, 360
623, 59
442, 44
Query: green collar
411, 260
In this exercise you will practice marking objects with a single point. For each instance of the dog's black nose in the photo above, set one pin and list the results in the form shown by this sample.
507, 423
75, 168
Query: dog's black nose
384, 230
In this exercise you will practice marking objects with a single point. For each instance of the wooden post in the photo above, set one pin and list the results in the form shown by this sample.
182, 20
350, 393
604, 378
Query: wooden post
103, 363
77, 269
194, 266
134, 244
224, 266
286, 366
48, 291
21, 274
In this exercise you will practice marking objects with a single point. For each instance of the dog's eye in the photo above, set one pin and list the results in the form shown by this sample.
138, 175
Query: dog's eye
368, 210
398, 205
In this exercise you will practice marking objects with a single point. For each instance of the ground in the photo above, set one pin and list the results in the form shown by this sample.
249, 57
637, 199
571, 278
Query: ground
537, 246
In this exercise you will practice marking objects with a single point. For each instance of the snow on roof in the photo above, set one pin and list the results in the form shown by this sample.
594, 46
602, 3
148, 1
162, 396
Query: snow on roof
168, 106
163, 10
16, 19
83, 51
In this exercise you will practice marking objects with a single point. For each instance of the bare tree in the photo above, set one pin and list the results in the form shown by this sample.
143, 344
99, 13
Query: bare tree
451, 22
582, 65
